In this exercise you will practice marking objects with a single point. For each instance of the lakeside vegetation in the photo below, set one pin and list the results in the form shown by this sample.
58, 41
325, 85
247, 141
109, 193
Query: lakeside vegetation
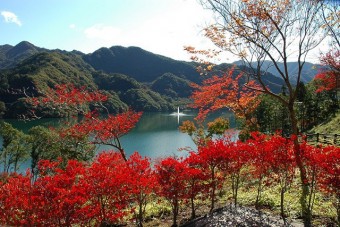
74, 143
268, 167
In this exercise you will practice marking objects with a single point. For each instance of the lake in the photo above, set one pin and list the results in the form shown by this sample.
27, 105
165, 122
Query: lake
156, 135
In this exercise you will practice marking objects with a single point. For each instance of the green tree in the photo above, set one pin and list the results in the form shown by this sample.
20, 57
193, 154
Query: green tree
2, 109
15, 148
200, 135
49, 144
43, 146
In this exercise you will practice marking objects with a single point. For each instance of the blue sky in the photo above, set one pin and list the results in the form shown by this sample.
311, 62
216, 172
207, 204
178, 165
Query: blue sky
159, 26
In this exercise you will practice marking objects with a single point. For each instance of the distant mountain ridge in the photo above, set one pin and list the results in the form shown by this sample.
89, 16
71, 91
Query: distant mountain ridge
308, 73
46, 69
140, 64
131, 76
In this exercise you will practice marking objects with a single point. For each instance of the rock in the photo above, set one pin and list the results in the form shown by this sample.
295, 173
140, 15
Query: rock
239, 216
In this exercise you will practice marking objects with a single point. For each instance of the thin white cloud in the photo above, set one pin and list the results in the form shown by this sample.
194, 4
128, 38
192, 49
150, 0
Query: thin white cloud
167, 33
11, 17
163, 32
72, 26
102, 32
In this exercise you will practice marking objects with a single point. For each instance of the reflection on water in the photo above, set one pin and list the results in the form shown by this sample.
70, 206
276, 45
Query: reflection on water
27, 125
155, 135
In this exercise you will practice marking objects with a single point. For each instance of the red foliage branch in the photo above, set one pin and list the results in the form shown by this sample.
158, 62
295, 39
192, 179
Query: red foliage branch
225, 91
329, 80
105, 131
171, 178
326, 81
68, 94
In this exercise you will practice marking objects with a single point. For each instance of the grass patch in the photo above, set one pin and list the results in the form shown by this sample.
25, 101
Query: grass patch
331, 126
158, 210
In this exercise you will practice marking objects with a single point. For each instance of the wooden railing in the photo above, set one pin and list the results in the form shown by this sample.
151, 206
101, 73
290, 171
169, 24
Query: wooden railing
320, 138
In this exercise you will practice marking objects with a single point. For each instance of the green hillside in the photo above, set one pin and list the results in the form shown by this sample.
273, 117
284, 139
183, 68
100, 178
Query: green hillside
46, 69
38, 72
331, 126
172, 86
139, 64
12, 55
132, 77
134, 94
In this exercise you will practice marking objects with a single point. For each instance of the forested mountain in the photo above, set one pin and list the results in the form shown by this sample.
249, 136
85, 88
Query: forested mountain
46, 69
132, 93
142, 65
130, 76
172, 86
11, 55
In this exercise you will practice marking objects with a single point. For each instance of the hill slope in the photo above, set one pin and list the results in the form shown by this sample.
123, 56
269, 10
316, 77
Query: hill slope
141, 65
12, 55
172, 86
46, 69
131, 76
329, 127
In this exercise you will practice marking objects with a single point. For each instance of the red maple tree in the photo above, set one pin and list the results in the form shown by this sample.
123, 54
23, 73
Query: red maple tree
212, 159
61, 193
143, 183
171, 177
18, 201
107, 130
225, 91
329, 79
107, 189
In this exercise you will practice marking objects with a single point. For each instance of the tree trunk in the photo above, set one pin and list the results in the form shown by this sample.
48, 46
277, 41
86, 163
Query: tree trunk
213, 191
234, 185
306, 212
236, 188
140, 215
175, 213
338, 209
258, 196
193, 213
282, 199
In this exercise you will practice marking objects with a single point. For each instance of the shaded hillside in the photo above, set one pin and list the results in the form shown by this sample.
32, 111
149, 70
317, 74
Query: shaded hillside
3, 50
172, 86
12, 55
142, 65
147, 100
46, 69
132, 93
130, 76
309, 70
115, 81
38, 72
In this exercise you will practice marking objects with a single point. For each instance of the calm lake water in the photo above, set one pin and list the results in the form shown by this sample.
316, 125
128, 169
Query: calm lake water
156, 135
